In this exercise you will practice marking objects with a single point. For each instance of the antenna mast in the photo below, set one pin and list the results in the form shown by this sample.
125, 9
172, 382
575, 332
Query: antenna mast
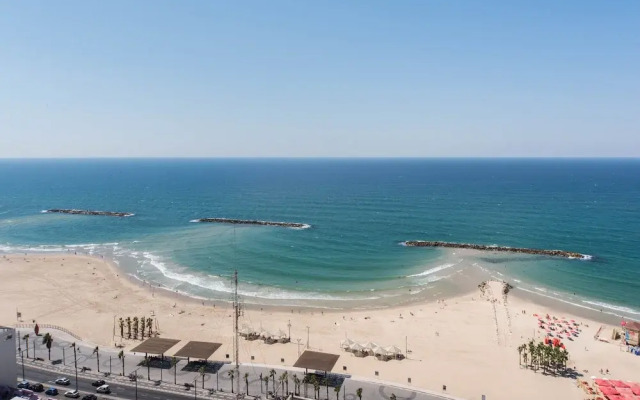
236, 309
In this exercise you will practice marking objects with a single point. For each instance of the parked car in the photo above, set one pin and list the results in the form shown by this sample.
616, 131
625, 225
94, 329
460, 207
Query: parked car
51, 391
23, 385
63, 381
72, 393
37, 387
90, 397
99, 382
104, 389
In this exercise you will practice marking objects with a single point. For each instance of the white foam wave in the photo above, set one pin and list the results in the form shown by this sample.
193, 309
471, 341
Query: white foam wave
217, 284
432, 270
612, 307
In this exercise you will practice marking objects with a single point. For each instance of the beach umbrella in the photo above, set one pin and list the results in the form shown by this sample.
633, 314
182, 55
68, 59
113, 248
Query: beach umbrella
379, 350
393, 349
370, 345
356, 347
345, 344
245, 330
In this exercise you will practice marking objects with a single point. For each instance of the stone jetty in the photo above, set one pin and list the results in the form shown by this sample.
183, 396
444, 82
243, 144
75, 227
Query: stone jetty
521, 250
89, 212
253, 222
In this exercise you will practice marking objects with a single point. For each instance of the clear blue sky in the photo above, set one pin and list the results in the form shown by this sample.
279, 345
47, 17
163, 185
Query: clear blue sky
319, 78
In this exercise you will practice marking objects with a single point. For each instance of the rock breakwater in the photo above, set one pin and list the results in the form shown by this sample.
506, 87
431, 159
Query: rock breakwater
89, 212
253, 222
481, 247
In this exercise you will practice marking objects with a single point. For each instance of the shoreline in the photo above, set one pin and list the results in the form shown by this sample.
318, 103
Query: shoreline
472, 337
463, 281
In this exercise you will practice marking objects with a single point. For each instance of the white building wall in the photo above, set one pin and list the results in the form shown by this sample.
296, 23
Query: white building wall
8, 364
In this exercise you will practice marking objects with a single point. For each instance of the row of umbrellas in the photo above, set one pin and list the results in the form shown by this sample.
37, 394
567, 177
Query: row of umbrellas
372, 347
247, 331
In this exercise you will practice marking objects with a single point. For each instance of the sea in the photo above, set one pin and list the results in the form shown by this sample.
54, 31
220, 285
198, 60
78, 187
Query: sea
358, 211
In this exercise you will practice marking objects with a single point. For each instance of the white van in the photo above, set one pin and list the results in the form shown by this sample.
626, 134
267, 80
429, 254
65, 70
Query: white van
104, 389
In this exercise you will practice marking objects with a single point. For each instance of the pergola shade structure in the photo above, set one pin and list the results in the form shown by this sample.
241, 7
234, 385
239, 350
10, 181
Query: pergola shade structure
199, 350
155, 346
317, 361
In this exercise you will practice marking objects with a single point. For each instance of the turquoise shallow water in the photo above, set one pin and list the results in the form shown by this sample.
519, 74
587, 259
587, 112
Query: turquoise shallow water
359, 212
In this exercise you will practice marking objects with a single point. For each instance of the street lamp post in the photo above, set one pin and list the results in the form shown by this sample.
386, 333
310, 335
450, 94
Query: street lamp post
195, 388
135, 378
75, 362
307, 337
22, 356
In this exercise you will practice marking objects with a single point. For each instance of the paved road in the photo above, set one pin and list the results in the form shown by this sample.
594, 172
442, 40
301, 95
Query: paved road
118, 391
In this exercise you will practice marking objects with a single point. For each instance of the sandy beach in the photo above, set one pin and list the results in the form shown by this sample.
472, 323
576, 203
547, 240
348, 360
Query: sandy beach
468, 342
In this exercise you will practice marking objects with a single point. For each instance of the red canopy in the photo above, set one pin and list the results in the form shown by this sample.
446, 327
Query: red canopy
602, 382
636, 390
619, 384
625, 391
608, 390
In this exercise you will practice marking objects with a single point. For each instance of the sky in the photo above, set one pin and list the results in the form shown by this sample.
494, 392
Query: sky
435, 78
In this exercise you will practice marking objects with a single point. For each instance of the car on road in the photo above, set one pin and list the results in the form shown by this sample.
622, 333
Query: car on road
37, 387
90, 397
104, 389
72, 393
23, 385
63, 381
99, 382
51, 391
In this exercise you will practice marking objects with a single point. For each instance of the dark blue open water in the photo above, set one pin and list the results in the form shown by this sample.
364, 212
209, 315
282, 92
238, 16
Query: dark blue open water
359, 210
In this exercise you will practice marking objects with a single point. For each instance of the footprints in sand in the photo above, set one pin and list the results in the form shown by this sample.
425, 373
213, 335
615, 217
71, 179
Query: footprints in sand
495, 292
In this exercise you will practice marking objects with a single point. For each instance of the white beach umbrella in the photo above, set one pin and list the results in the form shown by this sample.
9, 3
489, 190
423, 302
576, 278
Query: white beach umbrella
356, 347
379, 350
393, 349
245, 330
345, 344
370, 345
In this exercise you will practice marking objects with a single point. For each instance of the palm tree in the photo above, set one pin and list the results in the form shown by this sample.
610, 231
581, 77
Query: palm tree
532, 351
96, 351
246, 381
150, 325
359, 393
47, 340
121, 356
174, 364
296, 384
285, 378
231, 375
128, 327
272, 374
135, 327
281, 382
316, 388
520, 350
121, 323
266, 383
26, 341
337, 390
202, 371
